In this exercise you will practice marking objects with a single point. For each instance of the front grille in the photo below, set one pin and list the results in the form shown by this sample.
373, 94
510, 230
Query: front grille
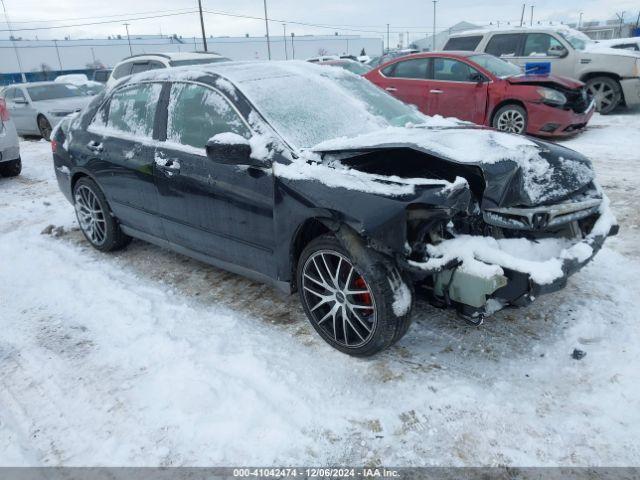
541, 218
577, 100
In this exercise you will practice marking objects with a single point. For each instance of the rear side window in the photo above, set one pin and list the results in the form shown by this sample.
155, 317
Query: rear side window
449, 70
414, 68
197, 113
8, 94
468, 44
122, 70
132, 110
504, 45
139, 67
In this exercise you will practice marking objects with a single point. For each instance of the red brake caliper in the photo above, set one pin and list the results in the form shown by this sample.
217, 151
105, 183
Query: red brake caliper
363, 298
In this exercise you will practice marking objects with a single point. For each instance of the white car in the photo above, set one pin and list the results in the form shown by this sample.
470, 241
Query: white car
10, 163
632, 44
37, 107
612, 75
152, 61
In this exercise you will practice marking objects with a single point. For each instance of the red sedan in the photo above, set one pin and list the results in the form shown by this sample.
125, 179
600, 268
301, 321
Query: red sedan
488, 91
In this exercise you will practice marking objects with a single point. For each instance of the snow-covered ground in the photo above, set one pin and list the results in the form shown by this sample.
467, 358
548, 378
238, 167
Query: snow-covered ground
146, 357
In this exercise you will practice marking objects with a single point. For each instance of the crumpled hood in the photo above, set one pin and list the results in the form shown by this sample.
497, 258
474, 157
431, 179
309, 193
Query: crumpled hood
517, 170
565, 82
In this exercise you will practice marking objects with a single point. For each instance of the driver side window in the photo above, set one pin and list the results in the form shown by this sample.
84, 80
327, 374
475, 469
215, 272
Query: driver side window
197, 113
542, 45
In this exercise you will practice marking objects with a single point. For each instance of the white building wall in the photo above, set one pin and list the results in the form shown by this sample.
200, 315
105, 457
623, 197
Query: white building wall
76, 54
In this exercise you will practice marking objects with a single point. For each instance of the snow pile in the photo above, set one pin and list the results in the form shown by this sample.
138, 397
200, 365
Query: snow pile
541, 259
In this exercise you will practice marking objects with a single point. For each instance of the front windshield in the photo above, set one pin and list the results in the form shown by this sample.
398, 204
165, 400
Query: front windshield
197, 61
53, 91
578, 40
498, 67
308, 104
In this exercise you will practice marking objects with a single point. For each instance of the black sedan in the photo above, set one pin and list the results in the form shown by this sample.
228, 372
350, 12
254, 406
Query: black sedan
313, 179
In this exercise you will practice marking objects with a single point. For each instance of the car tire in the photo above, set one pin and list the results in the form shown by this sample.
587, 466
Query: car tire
44, 127
97, 223
325, 276
511, 118
607, 93
11, 169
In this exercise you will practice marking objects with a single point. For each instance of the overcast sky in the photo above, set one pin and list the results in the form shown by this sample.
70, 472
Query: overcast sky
368, 16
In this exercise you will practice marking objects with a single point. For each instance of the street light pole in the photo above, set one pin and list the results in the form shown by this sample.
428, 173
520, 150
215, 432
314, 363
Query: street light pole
388, 44
531, 22
55, 42
204, 35
266, 24
293, 48
13, 42
580, 20
284, 39
126, 26
433, 43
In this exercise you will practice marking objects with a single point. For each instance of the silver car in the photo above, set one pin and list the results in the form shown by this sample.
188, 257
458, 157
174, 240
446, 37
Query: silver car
36, 108
10, 164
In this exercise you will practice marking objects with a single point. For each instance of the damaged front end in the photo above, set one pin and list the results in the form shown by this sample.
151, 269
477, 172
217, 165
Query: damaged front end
503, 247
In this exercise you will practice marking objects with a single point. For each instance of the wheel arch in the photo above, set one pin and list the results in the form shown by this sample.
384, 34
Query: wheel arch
307, 231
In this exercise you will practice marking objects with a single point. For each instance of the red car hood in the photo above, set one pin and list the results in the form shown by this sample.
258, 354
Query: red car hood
565, 82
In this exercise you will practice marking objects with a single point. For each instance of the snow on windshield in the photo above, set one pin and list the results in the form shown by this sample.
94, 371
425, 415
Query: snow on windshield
308, 104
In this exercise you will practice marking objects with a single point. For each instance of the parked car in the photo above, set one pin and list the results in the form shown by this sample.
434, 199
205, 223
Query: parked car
80, 80
315, 180
612, 75
323, 58
153, 61
486, 90
350, 65
386, 57
37, 107
632, 43
10, 163
102, 75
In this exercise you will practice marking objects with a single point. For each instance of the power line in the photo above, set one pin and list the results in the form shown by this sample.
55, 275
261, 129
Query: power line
101, 16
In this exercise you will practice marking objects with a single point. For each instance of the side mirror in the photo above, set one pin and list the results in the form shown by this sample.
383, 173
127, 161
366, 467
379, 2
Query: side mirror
477, 77
232, 149
558, 52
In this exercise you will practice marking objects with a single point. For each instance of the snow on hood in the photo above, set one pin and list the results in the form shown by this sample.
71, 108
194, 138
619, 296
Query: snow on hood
598, 48
541, 174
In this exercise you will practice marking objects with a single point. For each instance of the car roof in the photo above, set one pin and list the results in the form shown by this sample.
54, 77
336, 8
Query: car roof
174, 56
513, 29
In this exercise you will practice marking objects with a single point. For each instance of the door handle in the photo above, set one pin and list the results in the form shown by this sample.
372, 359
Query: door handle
391, 89
95, 146
168, 166
436, 91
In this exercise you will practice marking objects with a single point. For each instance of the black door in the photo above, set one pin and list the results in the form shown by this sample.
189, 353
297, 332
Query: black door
118, 148
222, 211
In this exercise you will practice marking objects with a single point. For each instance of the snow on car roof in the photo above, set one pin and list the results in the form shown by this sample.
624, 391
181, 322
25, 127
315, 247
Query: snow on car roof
516, 29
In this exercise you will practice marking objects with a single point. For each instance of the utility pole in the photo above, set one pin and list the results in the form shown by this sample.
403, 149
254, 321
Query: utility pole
531, 22
524, 5
621, 17
13, 42
284, 39
580, 20
126, 25
93, 56
204, 35
293, 48
388, 44
55, 42
266, 24
433, 44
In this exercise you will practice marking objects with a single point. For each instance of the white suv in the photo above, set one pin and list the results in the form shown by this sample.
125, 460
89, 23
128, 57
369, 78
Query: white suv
612, 75
152, 61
